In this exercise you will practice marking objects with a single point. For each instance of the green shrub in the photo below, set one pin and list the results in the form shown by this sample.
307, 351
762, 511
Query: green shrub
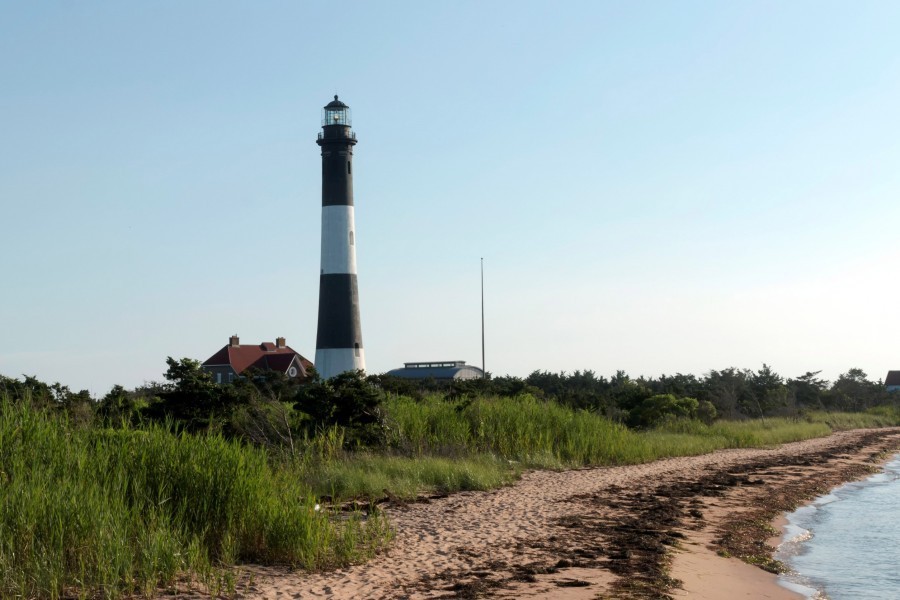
660, 408
347, 400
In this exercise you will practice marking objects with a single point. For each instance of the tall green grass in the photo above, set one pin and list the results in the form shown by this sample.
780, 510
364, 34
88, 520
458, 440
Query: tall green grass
103, 512
881, 416
88, 512
366, 475
689, 438
436, 445
548, 435
524, 429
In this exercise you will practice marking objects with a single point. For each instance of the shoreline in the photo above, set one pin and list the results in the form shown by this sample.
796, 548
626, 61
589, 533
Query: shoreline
673, 528
749, 525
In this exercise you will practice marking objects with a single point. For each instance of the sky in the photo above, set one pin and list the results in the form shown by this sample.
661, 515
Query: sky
657, 187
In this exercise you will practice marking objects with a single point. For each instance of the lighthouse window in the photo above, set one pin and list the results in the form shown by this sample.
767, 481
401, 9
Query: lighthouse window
351, 238
348, 167
356, 349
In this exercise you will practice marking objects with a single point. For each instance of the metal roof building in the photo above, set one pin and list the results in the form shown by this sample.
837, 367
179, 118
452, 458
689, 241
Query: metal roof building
446, 369
892, 381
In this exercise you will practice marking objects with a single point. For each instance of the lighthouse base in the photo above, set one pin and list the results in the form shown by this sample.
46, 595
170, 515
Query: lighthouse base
334, 361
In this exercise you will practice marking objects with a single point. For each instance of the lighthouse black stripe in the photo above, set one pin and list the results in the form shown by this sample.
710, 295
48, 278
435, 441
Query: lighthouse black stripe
338, 312
337, 183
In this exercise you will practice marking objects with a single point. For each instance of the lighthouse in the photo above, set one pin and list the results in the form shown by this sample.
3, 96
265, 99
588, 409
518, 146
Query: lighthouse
339, 344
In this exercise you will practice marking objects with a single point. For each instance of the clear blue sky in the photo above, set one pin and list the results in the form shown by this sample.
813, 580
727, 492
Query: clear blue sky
658, 187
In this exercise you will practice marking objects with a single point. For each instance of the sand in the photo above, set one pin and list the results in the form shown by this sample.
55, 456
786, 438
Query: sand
657, 530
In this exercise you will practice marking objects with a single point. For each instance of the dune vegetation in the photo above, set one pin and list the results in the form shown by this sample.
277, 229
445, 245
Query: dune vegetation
110, 512
141, 491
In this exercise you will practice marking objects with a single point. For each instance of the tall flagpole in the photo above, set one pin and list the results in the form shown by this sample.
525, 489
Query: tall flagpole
483, 371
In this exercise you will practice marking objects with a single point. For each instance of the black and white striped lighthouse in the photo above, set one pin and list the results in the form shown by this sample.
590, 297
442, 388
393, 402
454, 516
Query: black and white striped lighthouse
339, 344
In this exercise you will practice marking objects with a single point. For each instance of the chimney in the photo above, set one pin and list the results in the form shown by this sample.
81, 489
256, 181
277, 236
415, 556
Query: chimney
279, 343
233, 341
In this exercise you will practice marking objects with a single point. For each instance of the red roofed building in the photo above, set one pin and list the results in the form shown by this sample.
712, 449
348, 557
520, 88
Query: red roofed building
235, 358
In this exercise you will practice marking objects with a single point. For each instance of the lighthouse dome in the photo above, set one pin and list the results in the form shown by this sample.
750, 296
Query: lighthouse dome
336, 103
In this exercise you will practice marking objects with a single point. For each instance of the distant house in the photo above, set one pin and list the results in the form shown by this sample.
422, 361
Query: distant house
446, 370
892, 381
235, 358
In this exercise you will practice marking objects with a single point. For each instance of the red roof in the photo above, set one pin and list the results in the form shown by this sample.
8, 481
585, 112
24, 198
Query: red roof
265, 356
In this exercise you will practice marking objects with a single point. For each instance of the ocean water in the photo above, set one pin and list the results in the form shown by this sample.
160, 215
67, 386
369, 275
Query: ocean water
846, 545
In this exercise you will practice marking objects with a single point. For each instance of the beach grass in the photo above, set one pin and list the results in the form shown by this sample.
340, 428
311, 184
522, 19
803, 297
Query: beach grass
439, 446
751, 433
117, 512
368, 475
881, 416
544, 434
523, 429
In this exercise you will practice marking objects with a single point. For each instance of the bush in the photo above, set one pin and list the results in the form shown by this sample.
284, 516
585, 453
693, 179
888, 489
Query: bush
657, 409
706, 412
347, 400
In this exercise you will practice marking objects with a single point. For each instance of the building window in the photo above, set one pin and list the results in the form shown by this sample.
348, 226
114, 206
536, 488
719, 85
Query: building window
218, 378
356, 349
230, 377
348, 168
351, 238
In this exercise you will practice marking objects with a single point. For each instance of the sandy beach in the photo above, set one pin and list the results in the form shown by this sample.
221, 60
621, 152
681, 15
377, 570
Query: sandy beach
668, 529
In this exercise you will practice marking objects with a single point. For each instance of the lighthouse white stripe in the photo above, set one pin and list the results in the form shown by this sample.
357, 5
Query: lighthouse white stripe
338, 240
333, 361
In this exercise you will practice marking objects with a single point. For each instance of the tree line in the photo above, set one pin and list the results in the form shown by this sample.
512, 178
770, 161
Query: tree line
733, 393
269, 408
